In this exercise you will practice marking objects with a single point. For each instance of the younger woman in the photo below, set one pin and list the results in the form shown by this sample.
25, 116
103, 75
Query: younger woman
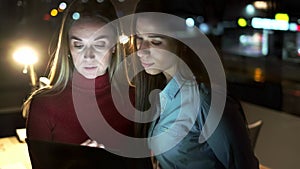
184, 103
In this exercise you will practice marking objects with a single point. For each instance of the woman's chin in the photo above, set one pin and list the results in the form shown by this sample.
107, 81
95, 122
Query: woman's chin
90, 76
153, 71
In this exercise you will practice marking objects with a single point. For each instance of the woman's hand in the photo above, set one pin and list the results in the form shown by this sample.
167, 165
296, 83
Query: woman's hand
155, 163
92, 143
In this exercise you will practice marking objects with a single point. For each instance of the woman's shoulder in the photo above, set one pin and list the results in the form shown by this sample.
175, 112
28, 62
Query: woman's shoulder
232, 104
46, 100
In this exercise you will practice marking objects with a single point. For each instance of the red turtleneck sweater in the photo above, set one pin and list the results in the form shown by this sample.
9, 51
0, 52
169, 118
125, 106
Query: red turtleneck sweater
53, 118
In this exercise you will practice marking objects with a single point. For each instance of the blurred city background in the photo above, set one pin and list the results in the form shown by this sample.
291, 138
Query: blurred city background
258, 41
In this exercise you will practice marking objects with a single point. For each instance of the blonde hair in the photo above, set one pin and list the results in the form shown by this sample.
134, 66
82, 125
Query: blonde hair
60, 66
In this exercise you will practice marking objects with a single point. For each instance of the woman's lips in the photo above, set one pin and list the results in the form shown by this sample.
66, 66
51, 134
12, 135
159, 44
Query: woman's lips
146, 65
90, 68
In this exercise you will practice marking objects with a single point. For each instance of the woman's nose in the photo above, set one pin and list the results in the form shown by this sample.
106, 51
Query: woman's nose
143, 52
143, 49
89, 53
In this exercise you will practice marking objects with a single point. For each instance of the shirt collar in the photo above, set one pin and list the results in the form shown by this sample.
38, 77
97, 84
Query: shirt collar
174, 85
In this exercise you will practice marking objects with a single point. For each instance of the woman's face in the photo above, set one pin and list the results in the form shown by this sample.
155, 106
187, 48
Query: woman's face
91, 47
157, 53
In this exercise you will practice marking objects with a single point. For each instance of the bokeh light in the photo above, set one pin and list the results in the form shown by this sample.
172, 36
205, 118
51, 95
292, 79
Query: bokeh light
189, 22
204, 28
123, 39
260, 4
54, 12
62, 6
258, 75
200, 19
282, 17
293, 26
47, 17
250, 10
242, 22
76, 15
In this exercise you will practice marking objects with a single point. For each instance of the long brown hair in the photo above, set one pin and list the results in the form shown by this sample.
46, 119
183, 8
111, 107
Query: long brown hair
146, 83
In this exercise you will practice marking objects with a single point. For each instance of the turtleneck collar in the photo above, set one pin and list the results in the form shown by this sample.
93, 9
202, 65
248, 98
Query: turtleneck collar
80, 82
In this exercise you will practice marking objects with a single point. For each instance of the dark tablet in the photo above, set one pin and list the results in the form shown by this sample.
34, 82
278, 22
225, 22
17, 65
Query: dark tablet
53, 155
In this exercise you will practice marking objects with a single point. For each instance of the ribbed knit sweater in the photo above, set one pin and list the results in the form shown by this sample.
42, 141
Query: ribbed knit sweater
53, 118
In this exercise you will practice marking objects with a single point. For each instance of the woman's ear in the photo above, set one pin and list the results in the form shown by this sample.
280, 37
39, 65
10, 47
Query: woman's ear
113, 50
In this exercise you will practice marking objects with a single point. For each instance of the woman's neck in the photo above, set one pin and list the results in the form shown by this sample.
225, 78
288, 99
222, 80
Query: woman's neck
169, 74
99, 82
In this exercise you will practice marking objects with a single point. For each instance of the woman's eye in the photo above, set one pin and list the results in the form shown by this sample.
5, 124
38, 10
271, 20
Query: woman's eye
156, 43
100, 44
138, 38
78, 45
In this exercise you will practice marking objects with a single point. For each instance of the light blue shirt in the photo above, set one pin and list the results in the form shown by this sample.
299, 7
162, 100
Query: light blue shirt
174, 136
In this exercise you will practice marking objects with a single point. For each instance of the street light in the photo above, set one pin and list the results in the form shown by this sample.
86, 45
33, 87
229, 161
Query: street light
28, 57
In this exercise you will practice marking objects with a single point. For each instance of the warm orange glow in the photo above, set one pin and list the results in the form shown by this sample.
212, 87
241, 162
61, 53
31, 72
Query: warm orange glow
260, 4
25, 55
258, 75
